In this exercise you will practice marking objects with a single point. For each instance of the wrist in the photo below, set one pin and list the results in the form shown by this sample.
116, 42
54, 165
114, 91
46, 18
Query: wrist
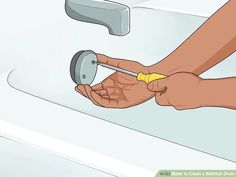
211, 93
204, 93
219, 93
160, 68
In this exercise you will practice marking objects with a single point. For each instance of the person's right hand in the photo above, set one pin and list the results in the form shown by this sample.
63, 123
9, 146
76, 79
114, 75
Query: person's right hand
180, 90
118, 90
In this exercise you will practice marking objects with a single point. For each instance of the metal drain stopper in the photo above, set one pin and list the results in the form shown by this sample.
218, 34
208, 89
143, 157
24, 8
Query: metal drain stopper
83, 67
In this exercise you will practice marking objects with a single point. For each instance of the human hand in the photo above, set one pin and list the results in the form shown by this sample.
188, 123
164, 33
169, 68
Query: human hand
118, 90
181, 90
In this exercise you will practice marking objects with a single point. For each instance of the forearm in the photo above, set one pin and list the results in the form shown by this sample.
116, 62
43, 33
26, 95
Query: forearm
209, 45
218, 93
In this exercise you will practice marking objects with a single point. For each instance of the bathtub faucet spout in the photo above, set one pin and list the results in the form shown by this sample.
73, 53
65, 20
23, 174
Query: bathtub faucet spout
115, 16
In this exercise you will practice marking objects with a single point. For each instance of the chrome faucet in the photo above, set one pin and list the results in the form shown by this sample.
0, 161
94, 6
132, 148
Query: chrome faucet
113, 15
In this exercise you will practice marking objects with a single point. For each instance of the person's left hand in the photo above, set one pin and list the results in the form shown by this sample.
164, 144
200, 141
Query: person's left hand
181, 90
118, 90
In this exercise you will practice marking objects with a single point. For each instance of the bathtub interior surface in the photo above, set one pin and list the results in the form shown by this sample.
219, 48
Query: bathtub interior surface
27, 162
48, 49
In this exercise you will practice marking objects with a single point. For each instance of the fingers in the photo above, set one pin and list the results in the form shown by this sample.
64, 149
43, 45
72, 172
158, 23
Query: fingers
124, 64
98, 87
162, 99
108, 103
88, 90
81, 90
107, 83
102, 93
158, 86
99, 98
85, 90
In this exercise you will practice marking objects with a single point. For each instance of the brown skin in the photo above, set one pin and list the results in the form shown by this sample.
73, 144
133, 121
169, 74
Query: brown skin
180, 90
219, 93
194, 92
209, 45
118, 90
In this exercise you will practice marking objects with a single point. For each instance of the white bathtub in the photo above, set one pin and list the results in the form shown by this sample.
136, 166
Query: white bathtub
29, 161
39, 46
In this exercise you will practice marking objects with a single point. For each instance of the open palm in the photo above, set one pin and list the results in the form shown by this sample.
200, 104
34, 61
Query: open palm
118, 90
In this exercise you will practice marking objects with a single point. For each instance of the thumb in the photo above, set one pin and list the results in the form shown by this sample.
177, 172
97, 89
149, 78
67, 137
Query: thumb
157, 86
